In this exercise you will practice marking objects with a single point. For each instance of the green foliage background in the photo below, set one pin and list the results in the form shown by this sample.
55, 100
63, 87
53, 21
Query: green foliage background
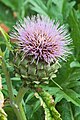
65, 88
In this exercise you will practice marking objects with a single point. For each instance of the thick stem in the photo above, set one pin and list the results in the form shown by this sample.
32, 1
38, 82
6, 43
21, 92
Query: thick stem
18, 100
8, 81
22, 111
17, 112
17, 109
20, 95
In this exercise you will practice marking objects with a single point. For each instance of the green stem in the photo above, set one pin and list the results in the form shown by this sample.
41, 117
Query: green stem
20, 95
22, 111
70, 109
17, 112
8, 81
18, 100
57, 84
17, 109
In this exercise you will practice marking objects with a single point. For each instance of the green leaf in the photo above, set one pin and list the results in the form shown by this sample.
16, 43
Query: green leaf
39, 6
7, 39
65, 110
6, 15
48, 104
76, 112
3, 115
67, 77
6, 36
74, 76
30, 96
36, 106
10, 3
1, 53
71, 96
10, 113
68, 94
76, 109
66, 8
73, 79
74, 64
75, 31
17, 6
59, 4
49, 4
15, 79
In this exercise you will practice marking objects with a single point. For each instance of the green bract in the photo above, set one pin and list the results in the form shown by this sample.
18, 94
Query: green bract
36, 73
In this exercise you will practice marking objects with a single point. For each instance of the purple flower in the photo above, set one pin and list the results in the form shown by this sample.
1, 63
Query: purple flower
42, 39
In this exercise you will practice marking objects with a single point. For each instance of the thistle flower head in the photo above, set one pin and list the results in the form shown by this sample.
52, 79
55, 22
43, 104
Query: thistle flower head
42, 39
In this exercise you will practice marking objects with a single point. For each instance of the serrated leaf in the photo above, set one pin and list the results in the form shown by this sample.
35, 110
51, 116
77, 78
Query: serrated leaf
48, 104
59, 4
76, 112
67, 7
68, 94
39, 7
74, 76
66, 110
72, 79
75, 31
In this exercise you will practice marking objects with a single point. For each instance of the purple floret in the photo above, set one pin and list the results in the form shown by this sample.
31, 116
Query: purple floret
42, 39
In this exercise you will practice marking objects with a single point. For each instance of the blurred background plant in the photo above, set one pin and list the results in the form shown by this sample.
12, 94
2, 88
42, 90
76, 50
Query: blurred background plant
65, 88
